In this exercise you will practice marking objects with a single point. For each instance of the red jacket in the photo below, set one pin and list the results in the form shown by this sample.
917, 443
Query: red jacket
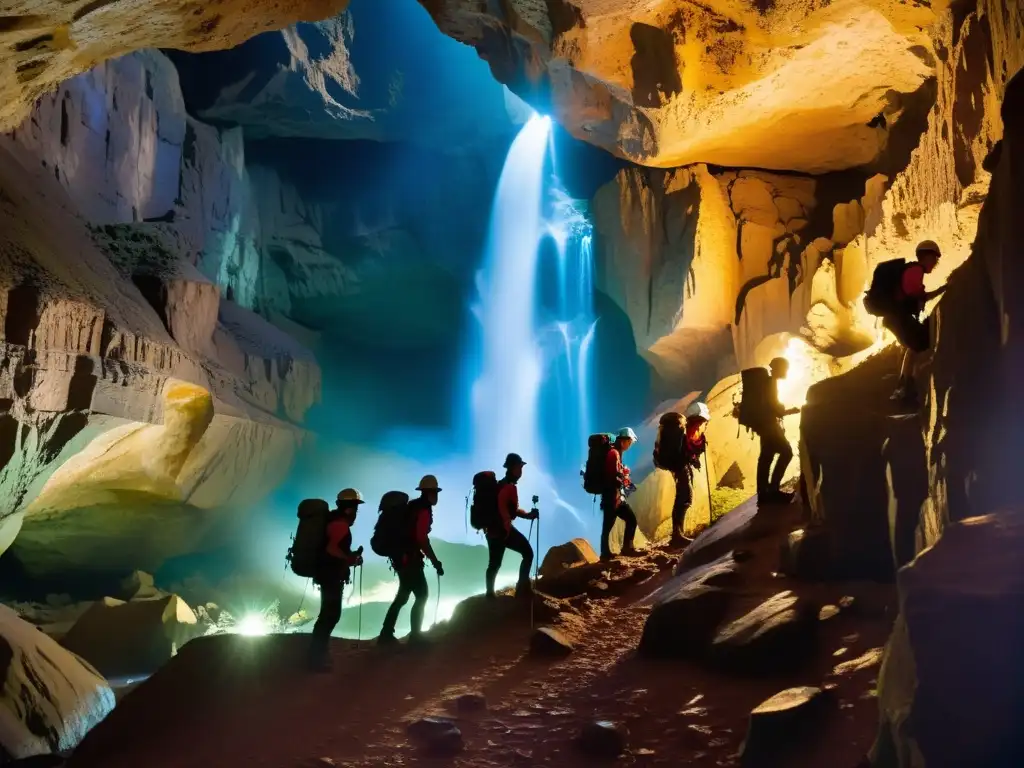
508, 504
422, 521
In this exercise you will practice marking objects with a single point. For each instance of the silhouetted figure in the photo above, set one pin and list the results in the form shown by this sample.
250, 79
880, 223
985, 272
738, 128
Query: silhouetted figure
773, 440
408, 562
333, 571
504, 535
613, 499
692, 445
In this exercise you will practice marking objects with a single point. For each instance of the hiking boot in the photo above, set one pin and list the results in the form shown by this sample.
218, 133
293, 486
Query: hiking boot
629, 552
524, 589
678, 541
608, 557
490, 596
387, 639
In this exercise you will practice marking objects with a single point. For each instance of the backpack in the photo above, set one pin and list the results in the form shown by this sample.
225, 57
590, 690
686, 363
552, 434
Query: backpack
668, 445
594, 479
753, 410
310, 539
881, 296
483, 514
392, 533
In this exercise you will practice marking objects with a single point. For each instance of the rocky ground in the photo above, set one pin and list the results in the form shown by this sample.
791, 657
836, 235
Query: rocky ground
229, 700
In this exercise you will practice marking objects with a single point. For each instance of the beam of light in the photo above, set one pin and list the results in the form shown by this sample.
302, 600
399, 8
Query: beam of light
253, 625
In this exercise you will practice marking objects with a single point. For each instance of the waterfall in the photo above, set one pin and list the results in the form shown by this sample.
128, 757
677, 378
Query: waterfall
531, 391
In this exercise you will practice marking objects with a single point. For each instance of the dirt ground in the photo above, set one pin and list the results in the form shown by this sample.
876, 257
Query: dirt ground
236, 701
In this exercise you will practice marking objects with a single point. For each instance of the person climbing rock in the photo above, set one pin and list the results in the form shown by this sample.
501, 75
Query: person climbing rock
902, 317
613, 499
693, 445
503, 535
898, 296
408, 562
773, 439
333, 571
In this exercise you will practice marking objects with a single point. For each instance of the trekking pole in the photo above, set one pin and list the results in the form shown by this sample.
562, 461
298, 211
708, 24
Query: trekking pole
707, 476
359, 635
437, 602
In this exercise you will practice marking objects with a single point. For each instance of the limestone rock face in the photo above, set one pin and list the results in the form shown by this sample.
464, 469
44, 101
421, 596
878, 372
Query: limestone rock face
707, 266
372, 72
50, 698
676, 82
47, 43
115, 344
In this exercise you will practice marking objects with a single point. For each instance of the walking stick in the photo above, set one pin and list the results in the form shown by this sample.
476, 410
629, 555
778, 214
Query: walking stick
437, 603
359, 635
707, 476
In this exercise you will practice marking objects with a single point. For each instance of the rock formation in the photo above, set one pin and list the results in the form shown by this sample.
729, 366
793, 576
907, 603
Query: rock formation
304, 82
678, 82
50, 698
46, 43
127, 346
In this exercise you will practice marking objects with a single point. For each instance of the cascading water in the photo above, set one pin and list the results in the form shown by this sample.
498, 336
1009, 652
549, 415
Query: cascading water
534, 350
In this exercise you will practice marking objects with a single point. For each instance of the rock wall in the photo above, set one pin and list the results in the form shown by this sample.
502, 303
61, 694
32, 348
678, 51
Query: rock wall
108, 320
736, 84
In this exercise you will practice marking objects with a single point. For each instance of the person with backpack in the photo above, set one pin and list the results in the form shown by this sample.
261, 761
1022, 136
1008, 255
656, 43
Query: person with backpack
617, 484
897, 295
333, 571
408, 552
768, 427
502, 534
680, 453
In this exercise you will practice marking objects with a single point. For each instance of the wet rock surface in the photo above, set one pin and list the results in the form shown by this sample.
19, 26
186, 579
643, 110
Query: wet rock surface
602, 739
436, 736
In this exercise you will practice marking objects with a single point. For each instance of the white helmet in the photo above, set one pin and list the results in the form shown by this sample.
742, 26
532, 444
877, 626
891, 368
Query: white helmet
698, 411
627, 432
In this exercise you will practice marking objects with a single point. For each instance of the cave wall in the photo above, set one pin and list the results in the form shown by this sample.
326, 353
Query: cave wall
131, 380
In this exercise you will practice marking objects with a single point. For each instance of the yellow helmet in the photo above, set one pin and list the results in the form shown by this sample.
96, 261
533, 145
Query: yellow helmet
428, 483
350, 496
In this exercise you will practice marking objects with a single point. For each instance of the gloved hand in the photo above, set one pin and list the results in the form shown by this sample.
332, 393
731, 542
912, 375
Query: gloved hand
695, 463
533, 514
439, 568
358, 560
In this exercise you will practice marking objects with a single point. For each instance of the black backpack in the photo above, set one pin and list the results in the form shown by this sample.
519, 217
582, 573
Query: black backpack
483, 514
393, 534
754, 409
668, 446
595, 478
881, 296
310, 539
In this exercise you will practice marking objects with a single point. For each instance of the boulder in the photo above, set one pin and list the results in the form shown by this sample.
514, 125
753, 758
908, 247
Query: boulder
50, 698
687, 610
776, 637
806, 554
139, 585
548, 641
471, 702
602, 739
726, 534
564, 556
436, 736
132, 639
783, 722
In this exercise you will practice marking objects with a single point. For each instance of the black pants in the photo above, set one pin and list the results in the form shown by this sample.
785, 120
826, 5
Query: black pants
773, 443
496, 546
330, 614
611, 510
908, 330
684, 498
412, 580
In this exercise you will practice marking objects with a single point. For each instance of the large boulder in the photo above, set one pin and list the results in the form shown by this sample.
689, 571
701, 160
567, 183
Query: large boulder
132, 639
688, 609
50, 698
775, 637
674, 83
565, 556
